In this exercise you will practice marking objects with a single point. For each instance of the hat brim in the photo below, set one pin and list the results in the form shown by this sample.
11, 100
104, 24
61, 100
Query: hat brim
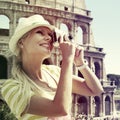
16, 37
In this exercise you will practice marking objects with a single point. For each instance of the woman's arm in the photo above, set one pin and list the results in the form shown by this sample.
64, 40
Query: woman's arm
60, 106
91, 84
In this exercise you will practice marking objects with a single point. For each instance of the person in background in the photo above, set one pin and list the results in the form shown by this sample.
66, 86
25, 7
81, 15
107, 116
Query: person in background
44, 92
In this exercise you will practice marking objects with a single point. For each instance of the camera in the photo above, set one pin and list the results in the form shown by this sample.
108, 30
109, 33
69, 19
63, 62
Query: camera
59, 34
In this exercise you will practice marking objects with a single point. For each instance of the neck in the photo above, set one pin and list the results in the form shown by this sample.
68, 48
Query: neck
32, 67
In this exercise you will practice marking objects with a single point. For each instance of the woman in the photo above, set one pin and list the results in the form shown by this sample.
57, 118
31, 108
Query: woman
41, 92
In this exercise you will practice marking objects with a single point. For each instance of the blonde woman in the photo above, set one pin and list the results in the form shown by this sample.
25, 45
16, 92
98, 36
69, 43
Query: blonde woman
43, 92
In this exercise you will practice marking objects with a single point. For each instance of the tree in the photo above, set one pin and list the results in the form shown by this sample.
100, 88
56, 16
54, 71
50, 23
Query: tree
5, 113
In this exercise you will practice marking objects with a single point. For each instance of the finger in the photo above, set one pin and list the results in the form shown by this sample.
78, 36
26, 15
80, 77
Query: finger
60, 39
65, 38
77, 52
68, 39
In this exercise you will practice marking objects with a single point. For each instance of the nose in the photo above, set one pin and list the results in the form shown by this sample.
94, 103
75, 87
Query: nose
48, 38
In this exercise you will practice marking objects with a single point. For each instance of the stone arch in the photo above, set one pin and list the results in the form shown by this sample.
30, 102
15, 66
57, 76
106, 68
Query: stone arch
49, 19
67, 23
97, 69
107, 105
64, 28
3, 67
79, 36
82, 105
19, 16
84, 32
4, 25
97, 106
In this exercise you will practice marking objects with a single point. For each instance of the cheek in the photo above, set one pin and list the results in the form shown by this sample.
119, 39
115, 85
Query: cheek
30, 41
28, 46
32, 44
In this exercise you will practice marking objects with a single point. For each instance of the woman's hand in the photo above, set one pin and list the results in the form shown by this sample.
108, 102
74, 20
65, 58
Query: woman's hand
71, 52
79, 56
68, 49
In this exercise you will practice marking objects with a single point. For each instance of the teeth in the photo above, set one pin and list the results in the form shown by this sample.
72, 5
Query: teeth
46, 45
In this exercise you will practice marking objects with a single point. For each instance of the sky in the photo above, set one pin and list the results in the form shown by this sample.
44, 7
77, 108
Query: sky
106, 31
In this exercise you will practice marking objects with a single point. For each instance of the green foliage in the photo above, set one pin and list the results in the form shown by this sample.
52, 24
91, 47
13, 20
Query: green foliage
5, 113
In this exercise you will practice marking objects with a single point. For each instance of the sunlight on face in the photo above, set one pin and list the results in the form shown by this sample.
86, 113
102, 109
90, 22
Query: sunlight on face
38, 41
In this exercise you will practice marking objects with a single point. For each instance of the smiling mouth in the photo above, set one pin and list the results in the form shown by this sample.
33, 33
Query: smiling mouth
46, 45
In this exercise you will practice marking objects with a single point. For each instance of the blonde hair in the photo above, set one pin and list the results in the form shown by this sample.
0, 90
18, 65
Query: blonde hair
17, 71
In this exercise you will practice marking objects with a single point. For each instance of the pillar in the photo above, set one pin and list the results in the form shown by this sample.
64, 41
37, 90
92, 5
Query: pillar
103, 106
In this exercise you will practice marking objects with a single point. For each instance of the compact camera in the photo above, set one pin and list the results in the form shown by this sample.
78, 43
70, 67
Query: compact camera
59, 34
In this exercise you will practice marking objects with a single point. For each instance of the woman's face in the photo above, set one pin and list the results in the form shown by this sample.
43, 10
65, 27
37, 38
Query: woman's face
38, 42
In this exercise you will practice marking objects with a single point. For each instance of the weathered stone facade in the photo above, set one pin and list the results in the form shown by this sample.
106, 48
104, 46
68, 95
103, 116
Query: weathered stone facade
74, 15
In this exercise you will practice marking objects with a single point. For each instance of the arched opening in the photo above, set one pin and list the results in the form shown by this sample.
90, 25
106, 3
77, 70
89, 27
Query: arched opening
97, 106
79, 36
3, 68
64, 28
82, 106
4, 25
107, 105
97, 69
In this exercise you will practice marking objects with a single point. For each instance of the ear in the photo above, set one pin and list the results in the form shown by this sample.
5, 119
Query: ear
20, 43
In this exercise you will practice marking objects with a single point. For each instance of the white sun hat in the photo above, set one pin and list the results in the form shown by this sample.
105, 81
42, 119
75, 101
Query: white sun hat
25, 25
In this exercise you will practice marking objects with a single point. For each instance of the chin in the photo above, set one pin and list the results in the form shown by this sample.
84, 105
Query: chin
48, 55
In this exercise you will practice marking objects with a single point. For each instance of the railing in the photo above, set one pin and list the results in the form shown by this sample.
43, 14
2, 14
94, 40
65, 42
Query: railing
88, 47
108, 83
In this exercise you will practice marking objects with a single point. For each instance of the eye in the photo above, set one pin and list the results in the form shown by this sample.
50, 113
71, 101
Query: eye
39, 32
50, 34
